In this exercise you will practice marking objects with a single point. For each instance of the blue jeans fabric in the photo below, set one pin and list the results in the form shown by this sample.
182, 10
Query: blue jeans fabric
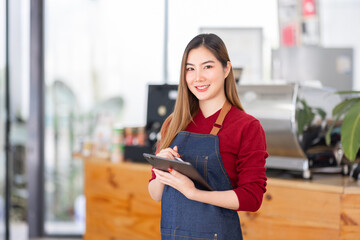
182, 218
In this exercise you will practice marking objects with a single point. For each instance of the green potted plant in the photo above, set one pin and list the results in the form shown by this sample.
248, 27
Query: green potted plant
349, 111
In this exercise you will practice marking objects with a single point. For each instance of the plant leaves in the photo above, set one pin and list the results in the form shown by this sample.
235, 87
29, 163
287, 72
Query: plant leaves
321, 112
301, 120
303, 102
347, 92
350, 132
328, 133
344, 106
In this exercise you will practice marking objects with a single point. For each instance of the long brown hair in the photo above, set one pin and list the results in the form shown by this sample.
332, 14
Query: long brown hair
187, 105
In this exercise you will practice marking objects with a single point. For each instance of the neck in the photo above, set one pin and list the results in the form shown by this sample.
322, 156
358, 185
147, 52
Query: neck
209, 107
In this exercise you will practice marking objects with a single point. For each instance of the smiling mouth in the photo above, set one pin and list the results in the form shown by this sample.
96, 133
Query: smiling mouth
202, 87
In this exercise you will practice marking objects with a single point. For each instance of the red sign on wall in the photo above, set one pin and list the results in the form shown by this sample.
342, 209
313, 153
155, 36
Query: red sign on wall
308, 7
288, 36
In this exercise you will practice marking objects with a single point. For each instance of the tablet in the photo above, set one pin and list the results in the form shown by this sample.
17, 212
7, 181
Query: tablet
183, 167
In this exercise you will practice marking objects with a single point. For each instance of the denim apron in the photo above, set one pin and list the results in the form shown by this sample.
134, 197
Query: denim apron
182, 218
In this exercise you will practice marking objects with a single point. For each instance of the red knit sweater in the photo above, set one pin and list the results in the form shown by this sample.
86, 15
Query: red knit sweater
242, 147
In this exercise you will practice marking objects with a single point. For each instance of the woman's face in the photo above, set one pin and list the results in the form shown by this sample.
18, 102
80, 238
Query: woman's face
205, 75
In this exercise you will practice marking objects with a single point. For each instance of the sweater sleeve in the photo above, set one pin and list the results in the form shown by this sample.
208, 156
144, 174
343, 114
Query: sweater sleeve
250, 166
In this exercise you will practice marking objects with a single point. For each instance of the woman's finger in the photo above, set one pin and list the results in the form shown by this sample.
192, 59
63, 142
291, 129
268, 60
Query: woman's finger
172, 151
165, 155
161, 173
164, 178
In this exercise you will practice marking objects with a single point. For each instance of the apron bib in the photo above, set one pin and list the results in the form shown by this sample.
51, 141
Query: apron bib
182, 218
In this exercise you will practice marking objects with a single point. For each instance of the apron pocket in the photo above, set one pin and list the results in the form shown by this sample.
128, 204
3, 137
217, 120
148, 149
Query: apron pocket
201, 164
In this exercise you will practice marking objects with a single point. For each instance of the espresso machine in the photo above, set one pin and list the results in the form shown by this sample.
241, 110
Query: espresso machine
295, 118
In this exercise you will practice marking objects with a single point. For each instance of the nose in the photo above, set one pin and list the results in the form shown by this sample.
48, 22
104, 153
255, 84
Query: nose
199, 76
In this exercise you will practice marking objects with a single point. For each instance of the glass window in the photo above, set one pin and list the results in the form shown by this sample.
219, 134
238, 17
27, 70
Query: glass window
2, 118
19, 98
99, 58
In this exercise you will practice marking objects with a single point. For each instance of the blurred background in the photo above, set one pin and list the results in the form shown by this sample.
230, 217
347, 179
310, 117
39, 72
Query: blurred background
97, 60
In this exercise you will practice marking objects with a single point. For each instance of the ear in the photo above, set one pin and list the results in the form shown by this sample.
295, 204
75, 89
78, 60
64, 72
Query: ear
227, 69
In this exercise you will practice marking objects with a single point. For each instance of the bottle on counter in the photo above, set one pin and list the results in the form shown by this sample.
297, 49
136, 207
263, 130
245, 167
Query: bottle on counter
117, 145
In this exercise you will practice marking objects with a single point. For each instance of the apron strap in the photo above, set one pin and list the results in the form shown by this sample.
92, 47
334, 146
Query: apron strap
218, 123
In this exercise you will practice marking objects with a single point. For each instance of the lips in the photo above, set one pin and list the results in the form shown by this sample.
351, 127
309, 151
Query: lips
202, 88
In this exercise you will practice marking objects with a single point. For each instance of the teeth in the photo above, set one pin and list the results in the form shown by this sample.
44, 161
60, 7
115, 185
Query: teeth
203, 87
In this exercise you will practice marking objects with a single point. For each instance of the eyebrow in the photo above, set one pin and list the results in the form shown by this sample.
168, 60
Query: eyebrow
206, 62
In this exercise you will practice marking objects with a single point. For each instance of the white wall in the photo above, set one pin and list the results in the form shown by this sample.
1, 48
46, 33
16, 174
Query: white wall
187, 16
340, 28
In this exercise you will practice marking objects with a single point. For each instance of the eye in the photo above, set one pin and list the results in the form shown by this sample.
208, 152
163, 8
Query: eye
189, 69
208, 67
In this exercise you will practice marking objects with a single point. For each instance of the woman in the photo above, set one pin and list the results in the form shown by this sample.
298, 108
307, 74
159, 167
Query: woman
227, 146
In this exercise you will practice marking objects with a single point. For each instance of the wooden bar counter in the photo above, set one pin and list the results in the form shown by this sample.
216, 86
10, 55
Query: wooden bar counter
118, 206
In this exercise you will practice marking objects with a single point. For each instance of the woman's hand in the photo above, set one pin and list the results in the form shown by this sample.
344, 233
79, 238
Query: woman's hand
156, 187
225, 199
169, 153
176, 180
